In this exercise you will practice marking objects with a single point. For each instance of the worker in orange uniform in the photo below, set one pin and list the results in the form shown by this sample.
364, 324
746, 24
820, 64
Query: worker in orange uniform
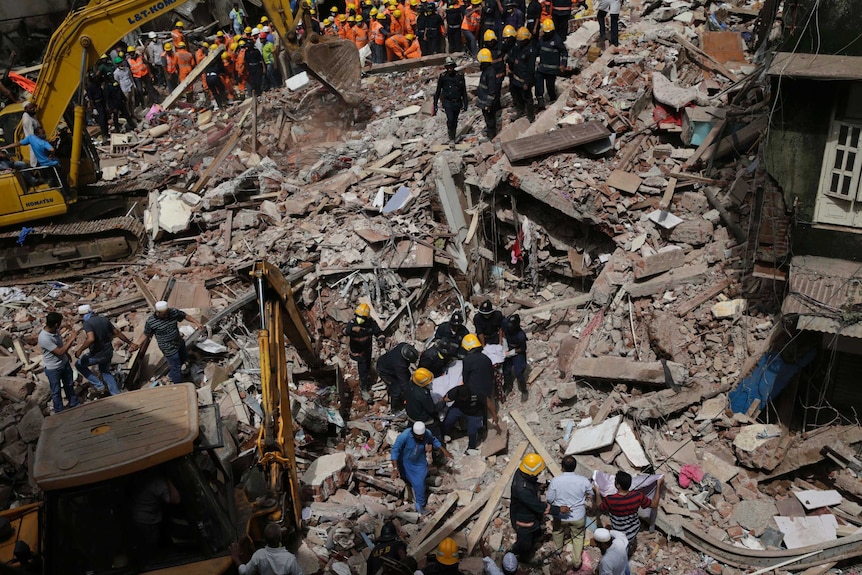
185, 61
349, 24
470, 25
328, 28
397, 24
143, 79
172, 66
177, 35
413, 50
221, 40
228, 60
202, 52
411, 12
241, 68
379, 34
397, 45
360, 32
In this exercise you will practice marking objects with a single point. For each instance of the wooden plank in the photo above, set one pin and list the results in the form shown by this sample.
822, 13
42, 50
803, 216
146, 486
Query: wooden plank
624, 181
412, 63
537, 444
556, 141
389, 486
666, 198
193, 75
576, 301
707, 143
705, 59
723, 47
453, 523
699, 300
145, 291
223, 153
22, 355
435, 520
227, 239
740, 141
478, 528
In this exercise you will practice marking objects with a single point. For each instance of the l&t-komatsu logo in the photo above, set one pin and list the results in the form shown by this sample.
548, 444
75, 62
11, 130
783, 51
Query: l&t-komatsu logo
151, 11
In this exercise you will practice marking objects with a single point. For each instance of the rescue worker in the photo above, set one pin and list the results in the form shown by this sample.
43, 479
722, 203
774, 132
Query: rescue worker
454, 18
360, 32
437, 358
382, 34
229, 63
411, 14
389, 546
367, 7
445, 560
526, 509
452, 330
509, 34
100, 333
177, 35
202, 52
470, 26
561, 13
185, 61
213, 78
116, 102
153, 54
361, 332
409, 459
533, 19
163, 325
396, 47
521, 60
452, 89
492, 19
221, 40
240, 66
328, 29
124, 78
468, 406
515, 365
553, 58
567, 493
96, 97
420, 404
172, 67
612, 7
393, 367
488, 324
273, 75
428, 28
254, 65
143, 79
514, 16
413, 50
478, 375
486, 93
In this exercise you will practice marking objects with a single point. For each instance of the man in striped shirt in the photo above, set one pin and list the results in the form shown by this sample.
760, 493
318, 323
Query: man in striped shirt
163, 325
623, 506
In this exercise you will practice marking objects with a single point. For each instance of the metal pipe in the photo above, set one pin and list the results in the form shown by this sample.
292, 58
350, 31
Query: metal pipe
261, 302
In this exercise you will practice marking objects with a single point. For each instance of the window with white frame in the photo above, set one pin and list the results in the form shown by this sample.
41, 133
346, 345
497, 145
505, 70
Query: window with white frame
839, 199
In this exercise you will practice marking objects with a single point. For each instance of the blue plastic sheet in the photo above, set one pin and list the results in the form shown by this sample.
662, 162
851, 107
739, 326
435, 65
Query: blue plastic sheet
767, 381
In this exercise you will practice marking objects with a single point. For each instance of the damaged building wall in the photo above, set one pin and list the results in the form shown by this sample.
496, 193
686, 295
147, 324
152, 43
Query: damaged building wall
794, 152
841, 18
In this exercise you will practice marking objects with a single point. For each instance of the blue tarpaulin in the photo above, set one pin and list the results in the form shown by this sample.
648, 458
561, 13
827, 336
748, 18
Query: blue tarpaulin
768, 379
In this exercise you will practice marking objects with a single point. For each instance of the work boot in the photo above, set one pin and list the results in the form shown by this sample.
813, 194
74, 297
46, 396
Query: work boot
540, 102
524, 396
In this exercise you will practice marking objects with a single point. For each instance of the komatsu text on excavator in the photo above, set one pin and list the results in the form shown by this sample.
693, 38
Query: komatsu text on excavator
88, 31
148, 481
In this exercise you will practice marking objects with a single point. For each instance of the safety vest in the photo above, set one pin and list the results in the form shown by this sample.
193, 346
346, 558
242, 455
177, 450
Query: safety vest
377, 33
413, 51
241, 69
547, 8
200, 55
396, 26
347, 32
171, 63
360, 36
185, 63
139, 67
177, 36
398, 44
472, 20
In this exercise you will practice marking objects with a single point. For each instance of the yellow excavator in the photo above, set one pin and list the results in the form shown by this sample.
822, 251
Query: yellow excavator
143, 482
87, 32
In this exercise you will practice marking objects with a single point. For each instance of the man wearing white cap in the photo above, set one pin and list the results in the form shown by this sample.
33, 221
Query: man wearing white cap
614, 546
30, 124
410, 460
163, 325
510, 565
100, 334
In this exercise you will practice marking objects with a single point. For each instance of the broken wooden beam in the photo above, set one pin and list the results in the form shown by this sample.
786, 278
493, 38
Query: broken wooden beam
435, 520
478, 528
555, 141
741, 140
193, 75
447, 528
389, 486
659, 263
731, 224
410, 64
538, 445
704, 297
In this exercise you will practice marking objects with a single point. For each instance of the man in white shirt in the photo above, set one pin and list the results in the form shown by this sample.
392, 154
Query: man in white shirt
273, 559
30, 124
614, 546
568, 491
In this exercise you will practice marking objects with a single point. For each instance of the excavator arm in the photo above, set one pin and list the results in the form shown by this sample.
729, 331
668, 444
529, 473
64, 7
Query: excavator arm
281, 323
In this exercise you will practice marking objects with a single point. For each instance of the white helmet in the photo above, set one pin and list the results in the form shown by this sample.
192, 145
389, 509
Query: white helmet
419, 428
255, 31
266, 29
152, 35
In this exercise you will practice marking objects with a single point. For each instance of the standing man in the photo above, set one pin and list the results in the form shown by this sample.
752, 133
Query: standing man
561, 13
521, 60
254, 64
489, 324
486, 93
422, 408
361, 332
515, 364
623, 506
410, 460
470, 26
172, 67
466, 405
612, 544
478, 375
237, 16
123, 76
164, 325
568, 492
55, 358
526, 509
393, 367
452, 330
454, 19
553, 57
272, 559
452, 88
100, 336
29, 123
143, 79
153, 54
611, 7
177, 35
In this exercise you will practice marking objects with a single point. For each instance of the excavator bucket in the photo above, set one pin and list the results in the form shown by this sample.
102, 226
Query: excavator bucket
335, 63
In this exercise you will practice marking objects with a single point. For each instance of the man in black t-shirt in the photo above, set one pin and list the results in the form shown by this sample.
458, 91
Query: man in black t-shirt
466, 405
488, 323
99, 339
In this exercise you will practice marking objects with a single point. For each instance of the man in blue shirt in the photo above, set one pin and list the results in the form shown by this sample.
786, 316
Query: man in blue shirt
410, 460
39, 147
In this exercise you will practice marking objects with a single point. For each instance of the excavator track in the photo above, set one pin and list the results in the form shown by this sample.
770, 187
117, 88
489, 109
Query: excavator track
79, 248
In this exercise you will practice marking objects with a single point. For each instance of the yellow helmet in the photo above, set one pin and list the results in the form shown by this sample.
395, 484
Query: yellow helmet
523, 34
180, 24
363, 310
485, 56
264, 19
547, 25
130, 49
358, 18
181, 45
470, 340
489, 35
409, 37
475, 2
247, 30
414, 2
351, 18
342, 17
225, 56
369, 3
327, 21
373, 12
234, 46
333, 10
204, 45
447, 552
381, 15
509, 31
168, 46
397, 13
532, 464
422, 377
220, 34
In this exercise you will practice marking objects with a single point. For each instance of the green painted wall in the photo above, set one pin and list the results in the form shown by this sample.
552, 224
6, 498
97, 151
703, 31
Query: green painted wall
834, 28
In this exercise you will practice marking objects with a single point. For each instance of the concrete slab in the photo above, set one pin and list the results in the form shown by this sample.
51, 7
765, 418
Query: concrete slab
594, 437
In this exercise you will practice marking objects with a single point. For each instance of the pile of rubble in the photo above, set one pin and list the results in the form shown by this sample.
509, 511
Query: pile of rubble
622, 226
